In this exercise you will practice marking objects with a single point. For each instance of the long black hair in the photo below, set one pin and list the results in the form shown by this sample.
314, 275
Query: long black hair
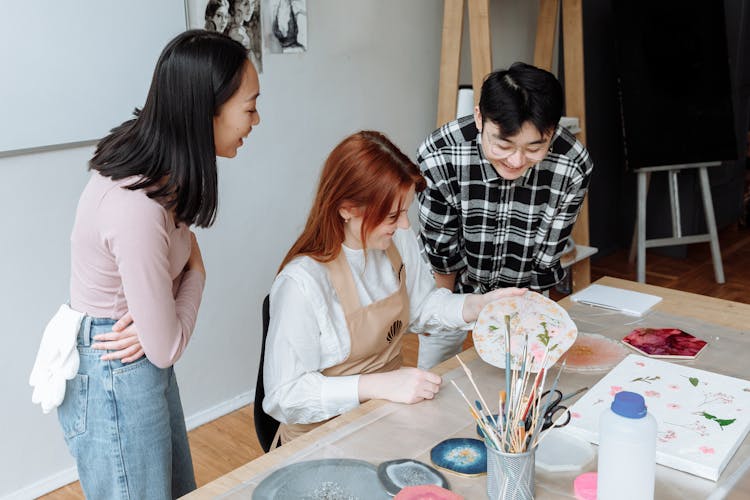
519, 94
170, 142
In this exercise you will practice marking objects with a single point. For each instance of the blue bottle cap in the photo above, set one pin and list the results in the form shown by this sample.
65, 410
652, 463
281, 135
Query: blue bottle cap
629, 404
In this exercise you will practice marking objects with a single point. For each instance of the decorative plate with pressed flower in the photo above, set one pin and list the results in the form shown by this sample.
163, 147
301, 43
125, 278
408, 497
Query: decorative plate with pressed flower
539, 328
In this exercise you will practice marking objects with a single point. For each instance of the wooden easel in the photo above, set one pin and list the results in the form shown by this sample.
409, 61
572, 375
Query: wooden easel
481, 65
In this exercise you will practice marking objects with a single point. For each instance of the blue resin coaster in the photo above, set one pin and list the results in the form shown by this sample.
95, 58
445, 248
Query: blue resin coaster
398, 474
464, 456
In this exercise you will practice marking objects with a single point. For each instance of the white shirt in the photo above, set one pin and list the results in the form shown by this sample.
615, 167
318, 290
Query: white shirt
308, 332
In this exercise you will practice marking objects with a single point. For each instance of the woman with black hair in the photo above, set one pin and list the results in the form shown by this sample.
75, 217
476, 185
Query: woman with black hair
134, 258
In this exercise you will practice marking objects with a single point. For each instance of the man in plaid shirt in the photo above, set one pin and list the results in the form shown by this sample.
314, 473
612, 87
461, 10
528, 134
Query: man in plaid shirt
504, 188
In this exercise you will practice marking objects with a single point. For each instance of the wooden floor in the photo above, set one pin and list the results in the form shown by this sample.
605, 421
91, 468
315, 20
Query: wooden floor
228, 442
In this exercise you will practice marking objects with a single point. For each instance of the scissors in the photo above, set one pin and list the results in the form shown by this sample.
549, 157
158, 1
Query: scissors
554, 410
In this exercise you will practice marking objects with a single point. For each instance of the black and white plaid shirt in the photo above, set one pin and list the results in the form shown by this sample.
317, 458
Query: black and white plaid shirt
493, 232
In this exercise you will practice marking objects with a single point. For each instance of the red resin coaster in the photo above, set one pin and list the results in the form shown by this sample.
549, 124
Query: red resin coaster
665, 343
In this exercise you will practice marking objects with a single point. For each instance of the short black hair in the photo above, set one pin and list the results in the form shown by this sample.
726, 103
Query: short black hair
169, 144
519, 94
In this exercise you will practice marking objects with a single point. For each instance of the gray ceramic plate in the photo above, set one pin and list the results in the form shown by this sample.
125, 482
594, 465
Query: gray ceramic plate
329, 479
398, 474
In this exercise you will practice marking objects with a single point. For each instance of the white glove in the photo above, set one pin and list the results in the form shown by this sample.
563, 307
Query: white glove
57, 359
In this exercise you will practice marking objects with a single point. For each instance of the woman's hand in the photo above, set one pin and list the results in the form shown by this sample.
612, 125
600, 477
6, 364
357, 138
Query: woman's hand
123, 340
474, 303
405, 385
195, 261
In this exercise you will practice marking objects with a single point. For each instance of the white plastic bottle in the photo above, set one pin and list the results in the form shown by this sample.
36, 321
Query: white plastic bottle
627, 450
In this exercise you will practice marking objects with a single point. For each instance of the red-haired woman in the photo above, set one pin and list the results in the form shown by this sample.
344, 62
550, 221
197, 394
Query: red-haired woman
348, 290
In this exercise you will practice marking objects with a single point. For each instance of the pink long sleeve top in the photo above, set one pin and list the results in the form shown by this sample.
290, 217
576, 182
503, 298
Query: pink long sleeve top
128, 254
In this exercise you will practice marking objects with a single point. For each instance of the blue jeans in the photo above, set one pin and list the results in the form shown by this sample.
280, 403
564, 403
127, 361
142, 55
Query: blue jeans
124, 425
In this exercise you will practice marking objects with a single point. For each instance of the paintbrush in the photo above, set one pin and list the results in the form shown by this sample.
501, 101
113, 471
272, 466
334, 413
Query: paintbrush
550, 395
480, 421
532, 395
507, 357
471, 379
501, 414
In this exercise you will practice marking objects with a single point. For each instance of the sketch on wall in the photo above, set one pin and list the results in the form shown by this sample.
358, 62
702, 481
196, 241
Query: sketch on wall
285, 26
240, 20
217, 15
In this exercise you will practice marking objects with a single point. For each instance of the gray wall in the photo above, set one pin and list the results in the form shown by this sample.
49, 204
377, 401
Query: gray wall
370, 64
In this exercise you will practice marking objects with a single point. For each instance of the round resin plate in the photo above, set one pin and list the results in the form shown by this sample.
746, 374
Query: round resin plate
398, 474
533, 316
464, 456
322, 479
592, 352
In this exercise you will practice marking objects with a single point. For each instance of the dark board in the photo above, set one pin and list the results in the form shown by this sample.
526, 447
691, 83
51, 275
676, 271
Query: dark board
674, 82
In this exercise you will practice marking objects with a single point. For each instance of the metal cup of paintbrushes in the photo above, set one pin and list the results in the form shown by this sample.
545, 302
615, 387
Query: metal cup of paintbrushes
510, 476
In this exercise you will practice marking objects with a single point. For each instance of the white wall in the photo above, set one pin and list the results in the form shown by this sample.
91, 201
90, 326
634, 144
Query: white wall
512, 30
37, 203
370, 64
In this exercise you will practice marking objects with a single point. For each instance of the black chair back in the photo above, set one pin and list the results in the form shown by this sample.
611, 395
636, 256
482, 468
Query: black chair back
265, 425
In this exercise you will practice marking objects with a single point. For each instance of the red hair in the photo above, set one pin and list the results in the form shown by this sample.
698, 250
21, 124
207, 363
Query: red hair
365, 171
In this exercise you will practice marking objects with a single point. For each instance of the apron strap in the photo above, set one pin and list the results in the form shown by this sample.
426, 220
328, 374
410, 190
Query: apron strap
276, 440
396, 262
342, 280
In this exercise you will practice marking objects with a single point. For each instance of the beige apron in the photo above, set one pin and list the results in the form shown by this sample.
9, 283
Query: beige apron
375, 331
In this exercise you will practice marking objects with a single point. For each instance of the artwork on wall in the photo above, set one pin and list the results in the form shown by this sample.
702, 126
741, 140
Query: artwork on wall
240, 20
702, 416
217, 15
285, 26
